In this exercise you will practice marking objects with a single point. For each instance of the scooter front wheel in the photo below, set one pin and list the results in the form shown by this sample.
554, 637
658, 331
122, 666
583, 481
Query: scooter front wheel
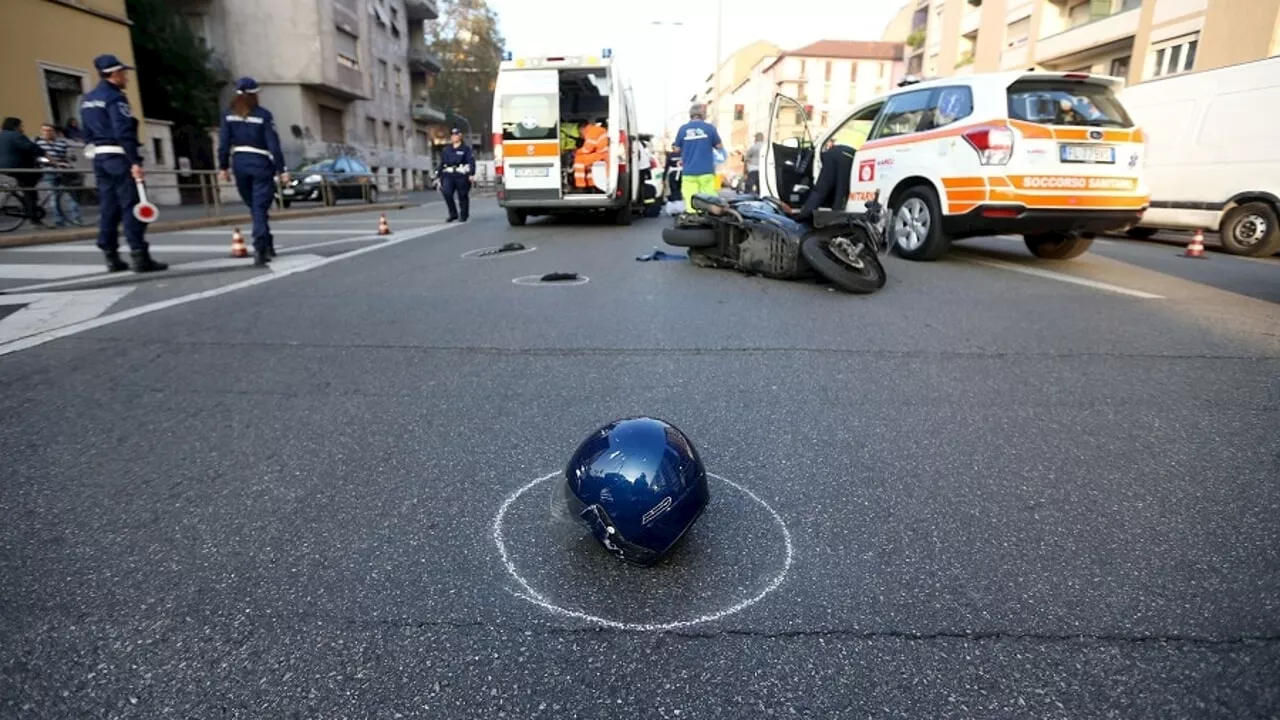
860, 274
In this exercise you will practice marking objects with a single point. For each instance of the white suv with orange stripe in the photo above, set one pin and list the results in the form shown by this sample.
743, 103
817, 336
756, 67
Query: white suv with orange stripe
1053, 157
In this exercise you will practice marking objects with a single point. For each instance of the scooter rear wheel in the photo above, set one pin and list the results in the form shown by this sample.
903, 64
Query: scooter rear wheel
864, 275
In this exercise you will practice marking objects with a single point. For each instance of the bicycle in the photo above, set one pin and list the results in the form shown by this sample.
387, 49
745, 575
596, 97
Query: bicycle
13, 210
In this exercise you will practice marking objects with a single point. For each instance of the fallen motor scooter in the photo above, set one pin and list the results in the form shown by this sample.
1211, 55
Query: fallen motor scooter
759, 236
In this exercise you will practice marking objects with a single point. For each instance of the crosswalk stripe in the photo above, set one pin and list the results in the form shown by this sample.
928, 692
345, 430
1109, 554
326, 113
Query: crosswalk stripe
156, 247
45, 271
281, 231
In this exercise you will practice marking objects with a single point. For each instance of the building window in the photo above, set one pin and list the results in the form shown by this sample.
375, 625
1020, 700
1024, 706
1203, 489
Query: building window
400, 136
382, 74
1175, 56
386, 133
371, 129
348, 49
1130, 5
826, 73
823, 120
64, 91
399, 82
853, 71
395, 22
332, 128
157, 149
1120, 67
739, 112
1016, 33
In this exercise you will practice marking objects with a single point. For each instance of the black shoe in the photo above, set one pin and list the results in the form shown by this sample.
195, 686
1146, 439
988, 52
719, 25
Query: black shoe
462, 219
260, 258
142, 262
449, 220
114, 263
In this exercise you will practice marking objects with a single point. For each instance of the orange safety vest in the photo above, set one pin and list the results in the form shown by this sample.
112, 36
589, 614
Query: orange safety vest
595, 139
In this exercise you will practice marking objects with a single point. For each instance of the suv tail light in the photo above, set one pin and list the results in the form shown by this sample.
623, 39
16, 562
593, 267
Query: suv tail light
497, 153
994, 144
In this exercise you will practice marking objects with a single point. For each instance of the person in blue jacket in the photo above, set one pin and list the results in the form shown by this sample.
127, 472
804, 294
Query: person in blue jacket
109, 125
457, 165
249, 143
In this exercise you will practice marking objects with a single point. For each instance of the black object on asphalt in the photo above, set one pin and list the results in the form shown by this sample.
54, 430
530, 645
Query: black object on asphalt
558, 277
509, 247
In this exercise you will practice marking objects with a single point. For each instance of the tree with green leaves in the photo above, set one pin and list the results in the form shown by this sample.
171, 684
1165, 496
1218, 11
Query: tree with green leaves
466, 39
176, 78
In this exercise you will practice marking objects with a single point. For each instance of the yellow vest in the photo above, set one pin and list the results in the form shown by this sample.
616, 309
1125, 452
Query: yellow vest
569, 136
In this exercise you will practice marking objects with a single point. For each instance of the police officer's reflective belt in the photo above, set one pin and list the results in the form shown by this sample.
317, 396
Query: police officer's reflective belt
250, 149
456, 168
108, 150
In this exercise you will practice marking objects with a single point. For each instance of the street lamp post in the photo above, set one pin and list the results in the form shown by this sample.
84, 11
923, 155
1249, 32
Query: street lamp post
666, 77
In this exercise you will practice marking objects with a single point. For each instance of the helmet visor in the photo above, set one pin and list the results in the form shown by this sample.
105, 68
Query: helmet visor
571, 520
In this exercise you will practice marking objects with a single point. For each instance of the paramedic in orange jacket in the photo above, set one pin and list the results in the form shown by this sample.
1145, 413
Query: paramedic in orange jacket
595, 148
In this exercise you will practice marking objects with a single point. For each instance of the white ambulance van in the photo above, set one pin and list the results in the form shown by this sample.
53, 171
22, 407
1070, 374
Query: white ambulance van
534, 98
1213, 153
1050, 156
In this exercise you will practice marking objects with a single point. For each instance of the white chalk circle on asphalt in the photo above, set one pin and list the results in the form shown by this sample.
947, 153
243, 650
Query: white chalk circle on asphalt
493, 252
537, 281
612, 574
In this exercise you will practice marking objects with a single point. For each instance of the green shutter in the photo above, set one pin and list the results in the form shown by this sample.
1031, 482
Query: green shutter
1099, 9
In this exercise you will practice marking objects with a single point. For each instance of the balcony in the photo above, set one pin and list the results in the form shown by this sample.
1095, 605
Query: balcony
423, 60
421, 10
970, 22
424, 112
1088, 36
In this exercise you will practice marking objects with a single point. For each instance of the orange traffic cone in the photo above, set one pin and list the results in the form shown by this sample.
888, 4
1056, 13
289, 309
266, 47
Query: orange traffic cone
383, 227
1195, 248
238, 250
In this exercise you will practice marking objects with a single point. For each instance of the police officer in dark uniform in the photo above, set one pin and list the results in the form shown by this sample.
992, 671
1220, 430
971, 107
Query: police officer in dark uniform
457, 165
109, 125
248, 142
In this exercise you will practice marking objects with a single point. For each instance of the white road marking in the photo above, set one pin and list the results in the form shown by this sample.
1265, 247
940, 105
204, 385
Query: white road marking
211, 264
533, 596
156, 248
79, 327
1061, 277
289, 263
45, 310
283, 231
45, 271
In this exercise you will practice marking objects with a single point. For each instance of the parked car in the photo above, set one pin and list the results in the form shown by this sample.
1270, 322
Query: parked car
330, 180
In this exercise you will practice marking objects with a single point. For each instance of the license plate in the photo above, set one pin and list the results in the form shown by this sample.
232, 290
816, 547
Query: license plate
287, 191
541, 171
1088, 154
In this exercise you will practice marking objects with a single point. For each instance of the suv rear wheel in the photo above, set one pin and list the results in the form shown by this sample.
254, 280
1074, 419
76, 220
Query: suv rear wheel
916, 226
1057, 246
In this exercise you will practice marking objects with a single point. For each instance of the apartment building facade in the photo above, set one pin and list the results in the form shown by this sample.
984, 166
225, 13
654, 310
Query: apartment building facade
829, 78
733, 70
341, 76
48, 56
1134, 39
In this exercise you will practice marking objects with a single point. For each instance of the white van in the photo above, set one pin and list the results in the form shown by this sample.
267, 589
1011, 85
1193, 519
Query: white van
1213, 153
534, 98
1049, 156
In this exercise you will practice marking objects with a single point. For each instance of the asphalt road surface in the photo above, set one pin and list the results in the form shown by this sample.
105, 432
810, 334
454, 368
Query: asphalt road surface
1000, 487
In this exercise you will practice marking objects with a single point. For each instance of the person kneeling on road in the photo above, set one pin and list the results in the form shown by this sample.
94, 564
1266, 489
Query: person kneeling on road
457, 165
696, 142
247, 139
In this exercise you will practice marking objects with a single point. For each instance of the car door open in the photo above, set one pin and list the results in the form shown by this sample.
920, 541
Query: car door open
786, 169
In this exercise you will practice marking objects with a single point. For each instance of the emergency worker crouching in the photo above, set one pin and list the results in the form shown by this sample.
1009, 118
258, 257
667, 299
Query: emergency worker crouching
112, 130
249, 143
595, 148
457, 165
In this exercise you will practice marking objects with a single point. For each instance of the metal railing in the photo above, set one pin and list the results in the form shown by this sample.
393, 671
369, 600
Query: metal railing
70, 194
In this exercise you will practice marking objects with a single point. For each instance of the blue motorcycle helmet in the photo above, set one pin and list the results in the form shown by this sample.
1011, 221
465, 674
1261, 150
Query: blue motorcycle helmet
637, 484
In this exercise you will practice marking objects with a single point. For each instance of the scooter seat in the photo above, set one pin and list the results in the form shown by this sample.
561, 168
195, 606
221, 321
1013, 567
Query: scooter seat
709, 199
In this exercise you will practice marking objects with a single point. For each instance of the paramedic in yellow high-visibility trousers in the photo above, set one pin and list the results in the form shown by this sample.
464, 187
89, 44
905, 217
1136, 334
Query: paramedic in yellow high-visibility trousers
696, 142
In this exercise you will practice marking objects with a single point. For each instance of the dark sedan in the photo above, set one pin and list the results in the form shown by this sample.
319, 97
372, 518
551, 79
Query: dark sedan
330, 180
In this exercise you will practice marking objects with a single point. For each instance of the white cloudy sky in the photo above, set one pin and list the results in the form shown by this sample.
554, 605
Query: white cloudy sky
682, 56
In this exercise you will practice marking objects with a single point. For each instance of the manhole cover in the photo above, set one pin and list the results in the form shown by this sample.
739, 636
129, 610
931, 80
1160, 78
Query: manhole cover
507, 250
555, 278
